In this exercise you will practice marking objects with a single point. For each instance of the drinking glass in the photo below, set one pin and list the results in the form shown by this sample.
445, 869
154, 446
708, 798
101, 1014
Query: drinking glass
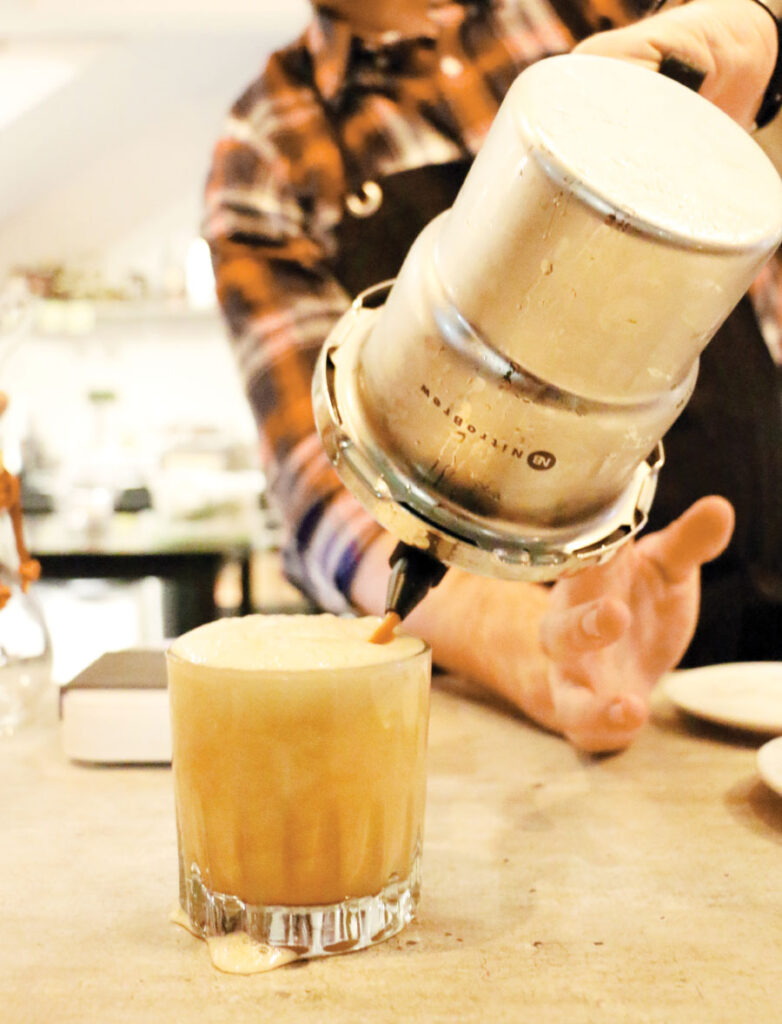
299, 771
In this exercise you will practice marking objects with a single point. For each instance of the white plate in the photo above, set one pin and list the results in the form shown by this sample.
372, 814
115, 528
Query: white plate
745, 695
770, 764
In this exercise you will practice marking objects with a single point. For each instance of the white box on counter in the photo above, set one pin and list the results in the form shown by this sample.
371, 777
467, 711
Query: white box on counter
116, 710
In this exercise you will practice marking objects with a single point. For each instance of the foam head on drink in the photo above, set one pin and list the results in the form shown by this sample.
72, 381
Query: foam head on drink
299, 759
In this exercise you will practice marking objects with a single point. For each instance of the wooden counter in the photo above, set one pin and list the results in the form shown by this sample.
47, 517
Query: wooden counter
645, 887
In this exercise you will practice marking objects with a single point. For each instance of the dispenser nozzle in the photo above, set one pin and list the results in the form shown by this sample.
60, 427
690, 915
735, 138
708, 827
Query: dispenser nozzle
413, 574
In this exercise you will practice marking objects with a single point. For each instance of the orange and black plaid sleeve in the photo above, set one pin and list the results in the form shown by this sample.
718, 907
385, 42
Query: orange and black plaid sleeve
269, 202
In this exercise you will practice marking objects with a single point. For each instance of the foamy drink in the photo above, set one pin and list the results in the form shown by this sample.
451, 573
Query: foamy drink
299, 771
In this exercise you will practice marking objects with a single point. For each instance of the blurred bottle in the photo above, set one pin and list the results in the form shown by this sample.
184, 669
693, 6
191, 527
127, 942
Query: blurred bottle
25, 654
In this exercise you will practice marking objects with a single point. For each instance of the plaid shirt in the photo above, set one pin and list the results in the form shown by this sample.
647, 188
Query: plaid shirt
329, 112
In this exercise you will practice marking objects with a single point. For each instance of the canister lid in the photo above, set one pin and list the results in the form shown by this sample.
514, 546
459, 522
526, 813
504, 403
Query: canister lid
644, 149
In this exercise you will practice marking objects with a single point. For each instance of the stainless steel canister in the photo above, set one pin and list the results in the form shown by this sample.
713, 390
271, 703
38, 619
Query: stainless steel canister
501, 405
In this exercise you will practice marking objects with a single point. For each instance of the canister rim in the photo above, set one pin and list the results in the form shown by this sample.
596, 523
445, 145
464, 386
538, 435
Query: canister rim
674, 139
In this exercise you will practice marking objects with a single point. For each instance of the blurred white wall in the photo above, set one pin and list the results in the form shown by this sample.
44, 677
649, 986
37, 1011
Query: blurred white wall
112, 111
109, 110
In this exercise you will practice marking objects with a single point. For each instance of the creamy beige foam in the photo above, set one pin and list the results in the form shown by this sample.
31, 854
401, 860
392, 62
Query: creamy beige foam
237, 952
290, 643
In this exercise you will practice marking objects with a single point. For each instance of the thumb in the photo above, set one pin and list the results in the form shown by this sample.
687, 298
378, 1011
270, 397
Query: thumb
699, 535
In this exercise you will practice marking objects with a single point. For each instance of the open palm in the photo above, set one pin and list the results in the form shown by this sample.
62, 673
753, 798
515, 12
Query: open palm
611, 631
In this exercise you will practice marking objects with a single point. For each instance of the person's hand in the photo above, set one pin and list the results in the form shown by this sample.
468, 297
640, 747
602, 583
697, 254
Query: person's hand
579, 658
611, 631
733, 41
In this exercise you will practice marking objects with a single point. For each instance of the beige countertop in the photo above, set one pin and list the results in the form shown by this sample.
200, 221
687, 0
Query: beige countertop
644, 887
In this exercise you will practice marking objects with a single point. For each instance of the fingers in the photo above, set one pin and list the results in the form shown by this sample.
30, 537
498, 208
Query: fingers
592, 722
597, 724
734, 44
586, 627
699, 535
624, 44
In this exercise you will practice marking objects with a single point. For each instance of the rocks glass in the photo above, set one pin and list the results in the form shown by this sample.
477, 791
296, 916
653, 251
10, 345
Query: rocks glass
299, 770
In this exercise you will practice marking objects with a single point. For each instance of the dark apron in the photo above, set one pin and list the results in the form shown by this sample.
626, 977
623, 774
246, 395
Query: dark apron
727, 441
371, 249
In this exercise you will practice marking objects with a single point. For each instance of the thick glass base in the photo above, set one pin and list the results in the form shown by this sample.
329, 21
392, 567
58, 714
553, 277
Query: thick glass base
306, 930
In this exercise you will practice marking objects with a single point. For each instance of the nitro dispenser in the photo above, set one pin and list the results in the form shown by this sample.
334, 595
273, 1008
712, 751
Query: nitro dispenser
500, 405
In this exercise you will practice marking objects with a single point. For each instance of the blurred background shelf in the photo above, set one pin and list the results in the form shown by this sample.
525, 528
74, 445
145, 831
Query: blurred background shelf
144, 499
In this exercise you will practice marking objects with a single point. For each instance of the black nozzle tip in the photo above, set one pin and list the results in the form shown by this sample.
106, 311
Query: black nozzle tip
413, 574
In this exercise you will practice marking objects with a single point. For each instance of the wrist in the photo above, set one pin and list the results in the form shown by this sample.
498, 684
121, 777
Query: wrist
488, 631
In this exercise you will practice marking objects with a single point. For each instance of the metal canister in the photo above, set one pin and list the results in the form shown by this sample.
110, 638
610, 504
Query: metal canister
501, 405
